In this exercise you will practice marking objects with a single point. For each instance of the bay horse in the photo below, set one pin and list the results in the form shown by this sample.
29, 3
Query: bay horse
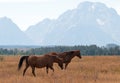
67, 56
40, 62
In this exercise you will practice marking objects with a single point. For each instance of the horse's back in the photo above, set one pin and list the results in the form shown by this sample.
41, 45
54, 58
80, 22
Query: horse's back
52, 53
40, 58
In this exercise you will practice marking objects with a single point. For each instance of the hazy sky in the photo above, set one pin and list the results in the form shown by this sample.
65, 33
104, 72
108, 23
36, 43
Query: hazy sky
29, 12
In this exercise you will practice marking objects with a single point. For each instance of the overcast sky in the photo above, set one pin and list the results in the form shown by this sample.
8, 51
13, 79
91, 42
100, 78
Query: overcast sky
29, 12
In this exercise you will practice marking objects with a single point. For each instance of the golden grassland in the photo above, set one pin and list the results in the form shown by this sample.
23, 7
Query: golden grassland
89, 69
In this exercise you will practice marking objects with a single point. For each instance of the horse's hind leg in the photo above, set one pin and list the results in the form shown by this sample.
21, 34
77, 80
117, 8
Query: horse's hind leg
25, 69
33, 71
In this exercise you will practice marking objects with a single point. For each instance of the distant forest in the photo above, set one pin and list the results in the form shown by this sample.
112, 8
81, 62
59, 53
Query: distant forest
85, 50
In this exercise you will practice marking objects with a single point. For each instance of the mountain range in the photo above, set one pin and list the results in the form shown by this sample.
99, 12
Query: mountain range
89, 23
10, 34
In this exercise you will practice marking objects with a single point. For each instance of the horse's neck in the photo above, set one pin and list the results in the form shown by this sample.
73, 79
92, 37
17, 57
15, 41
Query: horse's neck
62, 55
69, 57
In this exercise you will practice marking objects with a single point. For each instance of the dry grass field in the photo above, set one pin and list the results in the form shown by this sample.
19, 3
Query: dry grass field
90, 69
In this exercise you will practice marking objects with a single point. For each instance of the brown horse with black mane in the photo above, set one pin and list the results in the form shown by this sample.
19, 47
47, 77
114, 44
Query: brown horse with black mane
67, 56
40, 62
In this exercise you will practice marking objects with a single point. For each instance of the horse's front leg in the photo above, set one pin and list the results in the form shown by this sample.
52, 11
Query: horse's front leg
47, 69
61, 66
33, 71
51, 67
66, 64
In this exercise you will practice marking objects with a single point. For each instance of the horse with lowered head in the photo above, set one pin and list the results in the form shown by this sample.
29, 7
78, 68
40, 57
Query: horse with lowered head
40, 62
67, 56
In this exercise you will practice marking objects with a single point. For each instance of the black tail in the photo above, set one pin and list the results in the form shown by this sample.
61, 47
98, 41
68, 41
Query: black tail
21, 61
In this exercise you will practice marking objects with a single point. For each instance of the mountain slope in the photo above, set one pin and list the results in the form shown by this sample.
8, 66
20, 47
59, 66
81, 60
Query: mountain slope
10, 34
37, 32
89, 23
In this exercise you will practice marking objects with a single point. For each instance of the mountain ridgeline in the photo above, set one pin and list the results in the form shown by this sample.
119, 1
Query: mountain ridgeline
89, 23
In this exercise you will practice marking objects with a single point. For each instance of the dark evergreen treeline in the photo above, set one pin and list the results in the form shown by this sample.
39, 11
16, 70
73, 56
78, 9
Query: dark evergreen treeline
85, 50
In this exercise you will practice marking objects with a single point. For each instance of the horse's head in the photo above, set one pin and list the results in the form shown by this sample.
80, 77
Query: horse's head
76, 53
